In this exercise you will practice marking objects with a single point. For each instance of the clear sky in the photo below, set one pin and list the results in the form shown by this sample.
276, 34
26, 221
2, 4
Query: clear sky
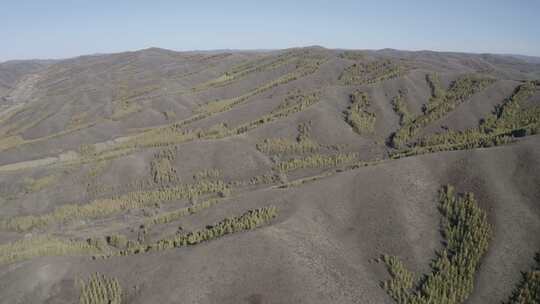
62, 28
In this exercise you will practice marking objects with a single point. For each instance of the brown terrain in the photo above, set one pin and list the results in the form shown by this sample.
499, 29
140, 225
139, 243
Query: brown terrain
100, 157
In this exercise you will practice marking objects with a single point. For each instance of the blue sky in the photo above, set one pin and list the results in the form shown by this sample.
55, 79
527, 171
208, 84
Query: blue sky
59, 29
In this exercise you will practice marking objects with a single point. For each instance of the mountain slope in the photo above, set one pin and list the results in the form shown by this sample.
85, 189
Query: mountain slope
130, 165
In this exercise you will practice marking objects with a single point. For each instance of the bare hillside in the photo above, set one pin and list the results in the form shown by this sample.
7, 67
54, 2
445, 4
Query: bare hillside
304, 175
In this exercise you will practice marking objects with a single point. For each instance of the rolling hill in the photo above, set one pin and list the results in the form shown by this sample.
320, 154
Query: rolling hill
305, 175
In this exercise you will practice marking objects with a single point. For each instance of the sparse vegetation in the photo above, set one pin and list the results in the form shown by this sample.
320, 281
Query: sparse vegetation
124, 103
302, 144
508, 122
353, 55
400, 107
159, 138
287, 146
207, 174
347, 167
466, 233
256, 180
87, 150
169, 115
459, 92
105, 207
226, 104
119, 241
161, 168
94, 187
512, 117
469, 139
125, 108
13, 141
437, 91
10, 142
34, 185
316, 161
528, 289
44, 245
361, 120
371, 72
295, 101
86, 180
171, 216
292, 104
21, 124
77, 120
243, 70
247, 221
99, 289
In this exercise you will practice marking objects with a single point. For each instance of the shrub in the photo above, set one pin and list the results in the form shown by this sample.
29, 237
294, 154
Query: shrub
293, 103
296, 101
256, 180
400, 107
459, 92
34, 185
173, 134
169, 115
303, 143
304, 131
171, 216
119, 241
370, 72
466, 233
123, 108
306, 68
357, 114
161, 168
315, 161
105, 207
247, 221
207, 174
87, 150
241, 71
11, 142
99, 289
44, 245
451, 141
437, 92
511, 116
287, 146
97, 242
295, 98
508, 121
528, 289
353, 55
399, 287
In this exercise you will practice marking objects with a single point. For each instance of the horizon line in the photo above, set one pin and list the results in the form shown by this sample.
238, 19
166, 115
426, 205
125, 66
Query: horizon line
262, 50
